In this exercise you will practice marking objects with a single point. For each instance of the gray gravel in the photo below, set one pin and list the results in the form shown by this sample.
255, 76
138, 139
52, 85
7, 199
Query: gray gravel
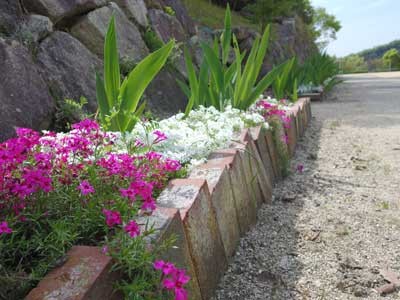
333, 228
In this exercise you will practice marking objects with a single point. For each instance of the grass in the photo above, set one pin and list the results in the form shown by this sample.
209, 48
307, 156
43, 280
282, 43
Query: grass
212, 15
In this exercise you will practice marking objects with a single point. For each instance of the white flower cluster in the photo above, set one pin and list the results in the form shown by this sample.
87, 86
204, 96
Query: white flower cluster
191, 139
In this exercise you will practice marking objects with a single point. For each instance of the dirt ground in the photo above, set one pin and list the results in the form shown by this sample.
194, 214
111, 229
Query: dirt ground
333, 229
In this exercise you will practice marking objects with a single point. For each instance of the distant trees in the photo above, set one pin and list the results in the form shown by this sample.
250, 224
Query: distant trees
353, 64
391, 58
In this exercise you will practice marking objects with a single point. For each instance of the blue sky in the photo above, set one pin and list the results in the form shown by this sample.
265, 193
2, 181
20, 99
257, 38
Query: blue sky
365, 23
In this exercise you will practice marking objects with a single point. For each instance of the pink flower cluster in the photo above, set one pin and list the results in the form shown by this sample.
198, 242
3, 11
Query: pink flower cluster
34, 165
173, 279
270, 110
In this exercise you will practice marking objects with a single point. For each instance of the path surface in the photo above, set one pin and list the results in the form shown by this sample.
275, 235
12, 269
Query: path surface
343, 226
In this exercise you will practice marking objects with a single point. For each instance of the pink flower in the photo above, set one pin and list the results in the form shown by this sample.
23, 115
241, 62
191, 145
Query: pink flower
166, 267
149, 205
300, 168
174, 279
4, 229
132, 228
104, 250
112, 217
159, 136
85, 187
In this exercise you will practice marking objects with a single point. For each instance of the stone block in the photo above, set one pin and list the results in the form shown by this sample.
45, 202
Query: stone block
246, 204
84, 276
217, 175
25, 100
192, 198
135, 10
167, 27
68, 67
57, 10
91, 30
167, 224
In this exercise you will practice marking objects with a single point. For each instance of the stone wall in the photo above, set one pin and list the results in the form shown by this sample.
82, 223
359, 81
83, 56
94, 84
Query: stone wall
50, 49
207, 213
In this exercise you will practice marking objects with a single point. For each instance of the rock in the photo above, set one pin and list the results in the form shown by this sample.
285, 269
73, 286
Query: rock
36, 28
58, 10
182, 15
166, 27
24, 97
164, 97
204, 34
136, 10
92, 28
69, 68
10, 15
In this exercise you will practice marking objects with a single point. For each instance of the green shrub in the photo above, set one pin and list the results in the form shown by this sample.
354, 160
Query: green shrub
153, 42
69, 112
118, 102
169, 10
217, 83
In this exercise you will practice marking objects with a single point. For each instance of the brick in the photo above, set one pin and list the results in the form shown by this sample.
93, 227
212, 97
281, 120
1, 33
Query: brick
217, 175
257, 170
84, 276
246, 205
192, 198
167, 224
258, 134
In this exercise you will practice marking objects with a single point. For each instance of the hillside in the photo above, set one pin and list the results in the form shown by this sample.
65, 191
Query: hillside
377, 52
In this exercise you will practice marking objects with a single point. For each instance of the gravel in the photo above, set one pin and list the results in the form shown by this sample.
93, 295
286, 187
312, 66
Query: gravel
335, 226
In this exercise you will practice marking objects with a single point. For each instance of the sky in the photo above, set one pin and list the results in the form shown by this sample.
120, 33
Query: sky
365, 23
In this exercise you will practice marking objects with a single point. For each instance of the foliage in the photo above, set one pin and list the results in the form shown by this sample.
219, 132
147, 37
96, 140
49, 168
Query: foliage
69, 112
392, 58
264, 12
58, 190
118, 103
325, 26
318, 68
211, 15
169, 10
153, 42
353, 64
285, 82
219, 84
379, 51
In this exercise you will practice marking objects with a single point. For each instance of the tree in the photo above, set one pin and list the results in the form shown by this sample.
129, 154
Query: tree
325, 26
353, 64
392, 58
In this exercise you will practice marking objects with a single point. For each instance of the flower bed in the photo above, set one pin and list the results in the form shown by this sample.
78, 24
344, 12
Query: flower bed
89, 187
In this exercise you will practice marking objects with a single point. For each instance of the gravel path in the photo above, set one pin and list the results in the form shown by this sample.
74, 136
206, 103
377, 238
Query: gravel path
332, 229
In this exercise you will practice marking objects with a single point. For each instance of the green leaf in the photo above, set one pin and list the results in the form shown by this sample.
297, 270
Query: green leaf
137, 81
184, 87
101, 96
226, 36
112, 78
215, 66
